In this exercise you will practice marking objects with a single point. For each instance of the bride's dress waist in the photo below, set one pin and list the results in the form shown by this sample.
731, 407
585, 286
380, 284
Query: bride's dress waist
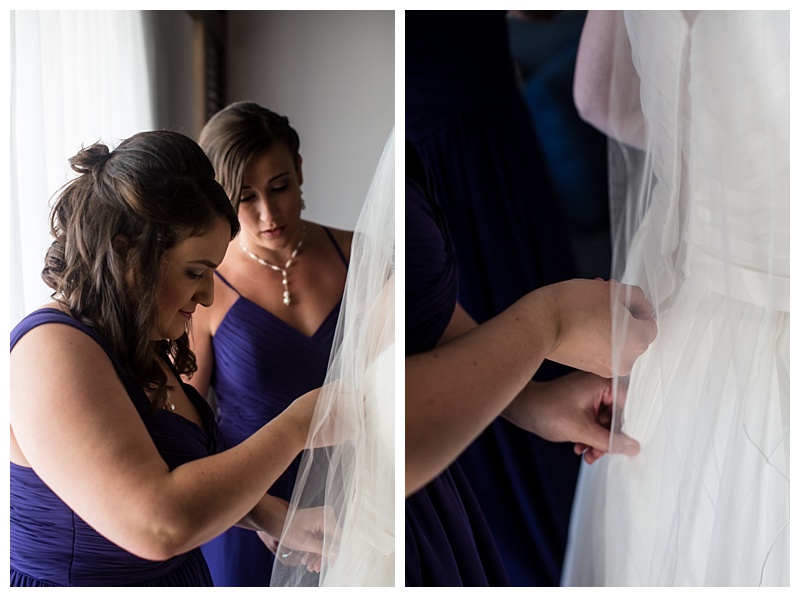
742, 282
740, 248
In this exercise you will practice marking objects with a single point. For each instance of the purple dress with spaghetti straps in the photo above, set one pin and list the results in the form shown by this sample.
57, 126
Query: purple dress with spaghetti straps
261, 364
50, 545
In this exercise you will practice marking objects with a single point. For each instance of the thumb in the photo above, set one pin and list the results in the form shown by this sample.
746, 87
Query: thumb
597, 436
623, 444
647, 328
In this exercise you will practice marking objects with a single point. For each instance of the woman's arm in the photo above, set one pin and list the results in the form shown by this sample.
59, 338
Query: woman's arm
606, 85
575, 407
455, 390
76, 426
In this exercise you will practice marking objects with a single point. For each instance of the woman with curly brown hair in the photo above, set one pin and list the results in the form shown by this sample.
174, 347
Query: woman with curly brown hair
118, 469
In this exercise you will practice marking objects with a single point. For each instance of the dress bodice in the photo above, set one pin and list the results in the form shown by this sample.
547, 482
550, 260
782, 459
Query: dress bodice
50, 544
718, 129
262, 364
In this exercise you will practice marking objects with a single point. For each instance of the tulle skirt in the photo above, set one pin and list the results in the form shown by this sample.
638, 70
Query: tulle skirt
706, 501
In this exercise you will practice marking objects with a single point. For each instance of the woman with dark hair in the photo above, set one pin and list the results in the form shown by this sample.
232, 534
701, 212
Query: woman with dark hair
118, 469
268, 337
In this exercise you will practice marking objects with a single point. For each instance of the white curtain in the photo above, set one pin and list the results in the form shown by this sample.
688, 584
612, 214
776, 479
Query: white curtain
76, 77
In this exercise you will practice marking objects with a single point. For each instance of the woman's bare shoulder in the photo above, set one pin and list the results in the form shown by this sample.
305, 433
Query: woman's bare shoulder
51, 338
344, 239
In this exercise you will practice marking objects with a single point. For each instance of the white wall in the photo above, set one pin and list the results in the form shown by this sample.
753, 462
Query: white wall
170, 55
332, 74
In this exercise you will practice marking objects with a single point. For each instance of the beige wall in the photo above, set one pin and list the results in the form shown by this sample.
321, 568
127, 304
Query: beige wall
332, 73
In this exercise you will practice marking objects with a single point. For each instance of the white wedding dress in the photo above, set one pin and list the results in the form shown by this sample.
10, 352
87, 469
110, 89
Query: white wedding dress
367, 538
705, 231
349, 464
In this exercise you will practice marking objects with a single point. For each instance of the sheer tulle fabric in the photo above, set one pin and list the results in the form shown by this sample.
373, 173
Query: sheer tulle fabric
355, 475
701, 223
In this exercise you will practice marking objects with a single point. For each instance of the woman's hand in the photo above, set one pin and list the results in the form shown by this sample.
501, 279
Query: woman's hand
577, 408
456, 389
311, 540
338, 406
584, 326
312, 537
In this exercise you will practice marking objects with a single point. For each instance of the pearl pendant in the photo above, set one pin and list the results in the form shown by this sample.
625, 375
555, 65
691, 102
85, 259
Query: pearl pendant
170, 407
287, 300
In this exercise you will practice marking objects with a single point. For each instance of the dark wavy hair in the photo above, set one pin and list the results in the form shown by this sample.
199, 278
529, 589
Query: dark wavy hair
112, 225
237, 133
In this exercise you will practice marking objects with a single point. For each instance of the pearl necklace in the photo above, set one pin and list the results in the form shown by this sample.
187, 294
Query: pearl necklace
287, 298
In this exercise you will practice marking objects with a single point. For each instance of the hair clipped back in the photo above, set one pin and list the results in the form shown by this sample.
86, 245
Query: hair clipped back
237, 133
111, 226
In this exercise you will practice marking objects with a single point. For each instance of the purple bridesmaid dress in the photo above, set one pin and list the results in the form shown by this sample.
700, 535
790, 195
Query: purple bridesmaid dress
261, 364
50, 545
448, 542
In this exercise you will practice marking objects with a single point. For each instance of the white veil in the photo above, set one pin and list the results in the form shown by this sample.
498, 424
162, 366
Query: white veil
697, 113
355, 477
